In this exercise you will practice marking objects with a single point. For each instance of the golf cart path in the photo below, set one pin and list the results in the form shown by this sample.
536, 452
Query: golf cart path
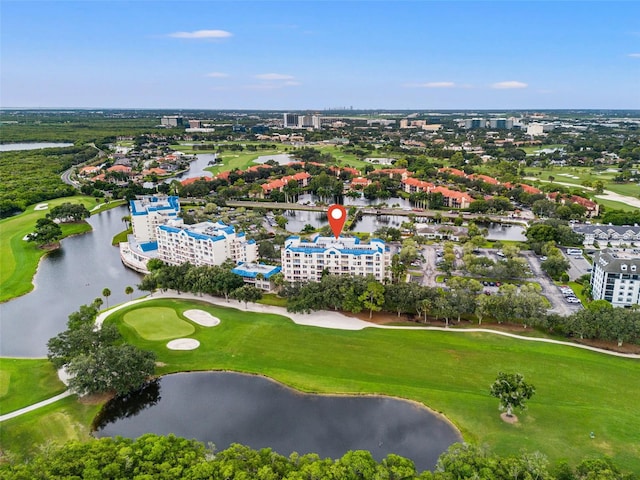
321, 319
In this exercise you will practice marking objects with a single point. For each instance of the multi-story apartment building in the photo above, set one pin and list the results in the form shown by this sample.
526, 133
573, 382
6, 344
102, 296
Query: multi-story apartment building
205, 243
149, 212
616, 277
304, 260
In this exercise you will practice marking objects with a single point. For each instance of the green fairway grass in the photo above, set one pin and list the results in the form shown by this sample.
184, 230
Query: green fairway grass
14, 251
24, 382
62, 421
578, 391
158, 323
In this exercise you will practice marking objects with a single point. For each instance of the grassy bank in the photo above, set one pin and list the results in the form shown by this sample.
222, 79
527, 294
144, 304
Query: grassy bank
448, 372
24, 382
19, 258
62, 421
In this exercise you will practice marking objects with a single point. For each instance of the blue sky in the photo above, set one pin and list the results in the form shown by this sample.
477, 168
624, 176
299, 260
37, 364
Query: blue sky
320, 54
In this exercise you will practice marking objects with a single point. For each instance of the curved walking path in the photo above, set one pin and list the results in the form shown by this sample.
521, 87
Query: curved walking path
35, 406
321, 319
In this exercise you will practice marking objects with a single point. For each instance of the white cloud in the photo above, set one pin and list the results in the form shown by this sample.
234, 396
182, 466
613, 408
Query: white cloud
274, 76
431, 85
291, 83
199, 34
509, 84
634, 55
217, 75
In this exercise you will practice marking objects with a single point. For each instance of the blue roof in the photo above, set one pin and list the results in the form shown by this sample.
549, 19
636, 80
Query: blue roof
172, 203
239, 270
147, 247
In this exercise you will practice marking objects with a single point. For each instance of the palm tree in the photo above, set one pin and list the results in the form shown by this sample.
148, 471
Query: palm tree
106, 293
98, 302
129, 291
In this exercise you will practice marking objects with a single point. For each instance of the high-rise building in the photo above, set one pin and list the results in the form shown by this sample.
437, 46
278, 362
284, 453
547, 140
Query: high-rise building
501, 123
304, 260
150, 211
205, 243
473, 123
616, 278
291, 120
172, 121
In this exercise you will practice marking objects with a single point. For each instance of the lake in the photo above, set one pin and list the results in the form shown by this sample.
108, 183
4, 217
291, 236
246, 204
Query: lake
67, 278
11, 147
225, 408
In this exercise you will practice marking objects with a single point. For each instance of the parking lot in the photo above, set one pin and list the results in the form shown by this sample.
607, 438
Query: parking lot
578, 265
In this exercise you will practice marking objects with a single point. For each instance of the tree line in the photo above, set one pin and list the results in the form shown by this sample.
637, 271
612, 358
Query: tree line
210, 280
34, 176
462, 299
171, 457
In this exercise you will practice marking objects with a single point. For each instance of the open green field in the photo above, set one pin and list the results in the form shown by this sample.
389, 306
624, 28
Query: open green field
577, 391
24, 382
242, 160
578, 175
16, 252
158, 323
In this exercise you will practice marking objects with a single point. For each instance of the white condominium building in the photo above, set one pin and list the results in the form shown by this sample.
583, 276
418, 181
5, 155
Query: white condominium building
205, 243
149, 212
304, 260
616, 278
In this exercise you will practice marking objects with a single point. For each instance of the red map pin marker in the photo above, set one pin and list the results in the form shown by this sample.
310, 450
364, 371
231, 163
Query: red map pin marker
337, 216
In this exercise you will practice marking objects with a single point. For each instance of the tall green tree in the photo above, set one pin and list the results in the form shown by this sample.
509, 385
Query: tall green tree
373, 297
106, 293
512, 391
47, 232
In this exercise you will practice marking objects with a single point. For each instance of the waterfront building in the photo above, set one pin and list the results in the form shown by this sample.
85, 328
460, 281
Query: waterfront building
257, 274
306, 260
205, 243
148, 212
616, 277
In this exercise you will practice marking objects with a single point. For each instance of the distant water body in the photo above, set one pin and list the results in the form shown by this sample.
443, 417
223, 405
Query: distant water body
11, 147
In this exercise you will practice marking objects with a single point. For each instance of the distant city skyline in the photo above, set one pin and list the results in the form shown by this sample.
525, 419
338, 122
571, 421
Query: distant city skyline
318, 55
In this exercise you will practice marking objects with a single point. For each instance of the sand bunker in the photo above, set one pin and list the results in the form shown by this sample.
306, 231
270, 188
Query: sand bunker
41, 206
183, 344
202, 318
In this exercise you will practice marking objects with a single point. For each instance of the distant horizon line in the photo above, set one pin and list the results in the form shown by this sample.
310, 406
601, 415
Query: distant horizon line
331, 109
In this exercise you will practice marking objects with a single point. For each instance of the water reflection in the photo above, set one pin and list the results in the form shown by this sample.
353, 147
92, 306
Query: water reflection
224, 408
128, 405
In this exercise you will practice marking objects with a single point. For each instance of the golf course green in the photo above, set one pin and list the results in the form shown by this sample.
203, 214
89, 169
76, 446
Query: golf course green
447, 372
158, 323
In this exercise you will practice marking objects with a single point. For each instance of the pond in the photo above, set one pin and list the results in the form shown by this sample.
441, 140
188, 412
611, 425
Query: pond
225, 408
11, 147
297, 219
67, 278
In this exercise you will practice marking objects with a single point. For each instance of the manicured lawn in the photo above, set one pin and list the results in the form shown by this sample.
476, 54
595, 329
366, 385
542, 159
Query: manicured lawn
25, 381
577, 391
121, 237
57, 423
14, 251
158, 323
273, 299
